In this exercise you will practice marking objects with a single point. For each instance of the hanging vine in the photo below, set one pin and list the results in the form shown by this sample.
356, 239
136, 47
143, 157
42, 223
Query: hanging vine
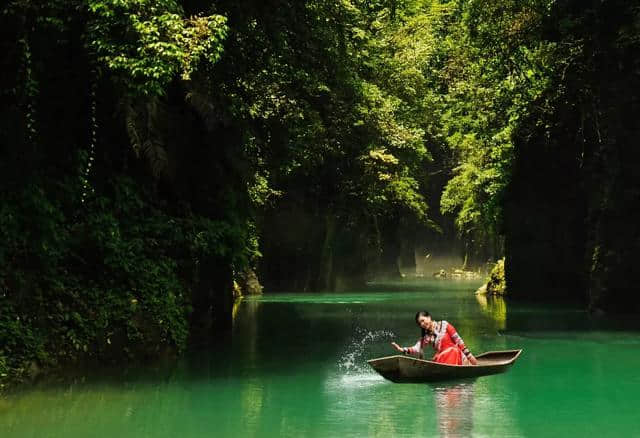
30, 92
93, 130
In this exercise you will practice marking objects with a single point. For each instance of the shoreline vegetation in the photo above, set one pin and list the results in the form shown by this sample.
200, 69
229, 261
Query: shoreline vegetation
495, 284
161, 158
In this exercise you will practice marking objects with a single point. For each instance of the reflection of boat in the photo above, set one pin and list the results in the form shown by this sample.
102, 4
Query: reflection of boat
406, 369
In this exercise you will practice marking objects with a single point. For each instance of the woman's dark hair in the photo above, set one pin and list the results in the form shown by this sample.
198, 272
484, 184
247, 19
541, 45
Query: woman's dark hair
418, 315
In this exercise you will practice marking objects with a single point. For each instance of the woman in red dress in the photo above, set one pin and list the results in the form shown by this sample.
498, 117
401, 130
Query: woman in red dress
444, 338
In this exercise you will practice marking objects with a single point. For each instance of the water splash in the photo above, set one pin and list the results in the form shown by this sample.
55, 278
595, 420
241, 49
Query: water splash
352, 371
354, 360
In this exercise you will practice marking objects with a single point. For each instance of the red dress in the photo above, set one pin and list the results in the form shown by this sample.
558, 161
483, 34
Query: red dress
449, 346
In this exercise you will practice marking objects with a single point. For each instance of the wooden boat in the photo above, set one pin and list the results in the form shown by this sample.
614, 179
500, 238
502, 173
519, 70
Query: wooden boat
407, 369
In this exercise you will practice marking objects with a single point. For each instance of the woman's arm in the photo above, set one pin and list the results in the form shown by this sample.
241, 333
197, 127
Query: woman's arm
472, 359
451, 330
415, 350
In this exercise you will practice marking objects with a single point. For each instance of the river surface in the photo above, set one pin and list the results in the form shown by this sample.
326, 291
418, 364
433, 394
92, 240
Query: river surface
296, 367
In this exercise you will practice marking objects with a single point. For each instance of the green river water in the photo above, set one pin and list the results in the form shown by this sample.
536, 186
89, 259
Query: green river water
296, 367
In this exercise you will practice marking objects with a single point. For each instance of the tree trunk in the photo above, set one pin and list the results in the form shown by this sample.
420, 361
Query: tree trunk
326, 277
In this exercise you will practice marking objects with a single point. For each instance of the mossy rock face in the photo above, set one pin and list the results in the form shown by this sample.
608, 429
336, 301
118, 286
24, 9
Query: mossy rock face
496, 283
249, 283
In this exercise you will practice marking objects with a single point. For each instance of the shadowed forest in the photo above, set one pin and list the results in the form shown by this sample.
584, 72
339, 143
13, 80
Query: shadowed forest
160, 158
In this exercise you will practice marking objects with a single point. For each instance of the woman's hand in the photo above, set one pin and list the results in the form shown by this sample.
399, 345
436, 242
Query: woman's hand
472, 359
397, 347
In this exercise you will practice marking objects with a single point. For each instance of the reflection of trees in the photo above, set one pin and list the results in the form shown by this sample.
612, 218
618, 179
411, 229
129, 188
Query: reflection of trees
245, 317
245, 327
236, 307
495, 307
454, 409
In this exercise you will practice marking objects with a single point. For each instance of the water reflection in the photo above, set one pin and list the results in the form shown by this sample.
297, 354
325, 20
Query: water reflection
252, 403
495, 307
454, 408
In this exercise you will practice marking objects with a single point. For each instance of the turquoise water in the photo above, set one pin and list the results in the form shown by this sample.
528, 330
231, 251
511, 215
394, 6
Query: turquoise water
297, 367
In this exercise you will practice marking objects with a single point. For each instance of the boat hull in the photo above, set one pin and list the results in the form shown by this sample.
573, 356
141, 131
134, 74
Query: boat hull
407, 369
